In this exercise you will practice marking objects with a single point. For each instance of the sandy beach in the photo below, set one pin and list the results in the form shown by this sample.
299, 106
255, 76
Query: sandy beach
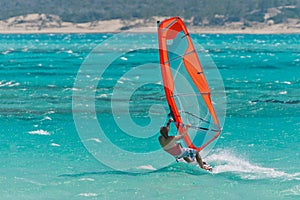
42, 23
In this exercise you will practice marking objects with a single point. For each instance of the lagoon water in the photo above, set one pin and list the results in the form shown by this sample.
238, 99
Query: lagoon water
51, 146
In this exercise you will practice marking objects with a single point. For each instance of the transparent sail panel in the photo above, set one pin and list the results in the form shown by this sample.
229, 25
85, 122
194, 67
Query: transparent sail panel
187, 96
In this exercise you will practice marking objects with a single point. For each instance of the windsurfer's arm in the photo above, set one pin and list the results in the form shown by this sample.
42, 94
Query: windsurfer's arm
178, 137
169, 122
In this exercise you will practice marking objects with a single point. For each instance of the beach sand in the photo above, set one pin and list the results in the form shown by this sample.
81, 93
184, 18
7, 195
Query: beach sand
42, 23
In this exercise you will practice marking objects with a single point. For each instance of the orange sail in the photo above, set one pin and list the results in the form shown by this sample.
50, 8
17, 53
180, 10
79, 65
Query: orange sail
186, 87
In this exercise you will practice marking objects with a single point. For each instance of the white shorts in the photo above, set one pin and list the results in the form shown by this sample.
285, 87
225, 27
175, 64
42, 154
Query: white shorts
187, 152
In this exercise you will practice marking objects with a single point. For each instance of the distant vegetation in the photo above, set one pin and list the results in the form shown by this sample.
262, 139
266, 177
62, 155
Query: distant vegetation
201, 12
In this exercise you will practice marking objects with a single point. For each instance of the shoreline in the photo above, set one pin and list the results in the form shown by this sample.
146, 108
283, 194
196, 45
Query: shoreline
147, 29
206, 30
52, 24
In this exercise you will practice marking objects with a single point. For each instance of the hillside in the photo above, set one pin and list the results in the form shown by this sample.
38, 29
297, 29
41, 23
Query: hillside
199, 12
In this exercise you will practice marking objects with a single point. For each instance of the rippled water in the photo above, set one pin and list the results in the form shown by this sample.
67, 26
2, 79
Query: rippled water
44, 156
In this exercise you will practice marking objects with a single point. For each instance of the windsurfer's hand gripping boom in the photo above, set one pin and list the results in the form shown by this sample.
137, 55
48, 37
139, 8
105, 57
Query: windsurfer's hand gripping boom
169, 122
191, 126
181, 136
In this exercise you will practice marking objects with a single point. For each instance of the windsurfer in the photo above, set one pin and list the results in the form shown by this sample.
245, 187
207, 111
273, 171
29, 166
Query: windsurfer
169, 144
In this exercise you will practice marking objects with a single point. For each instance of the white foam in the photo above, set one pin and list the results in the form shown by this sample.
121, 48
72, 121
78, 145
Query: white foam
287, 82
292, 191
8, 51
9, 83
55, 145
227, 161
124, 58
88, 194
147, 167
283, 92
102, 96
51, 112
14, 84
39, 132
95, 139
46, 118
71, 89
86, 179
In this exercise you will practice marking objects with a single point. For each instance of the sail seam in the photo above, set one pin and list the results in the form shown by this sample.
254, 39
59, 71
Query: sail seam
190, 52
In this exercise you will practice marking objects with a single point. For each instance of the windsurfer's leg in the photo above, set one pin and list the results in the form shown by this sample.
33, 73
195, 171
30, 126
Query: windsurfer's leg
199, 160
187, 159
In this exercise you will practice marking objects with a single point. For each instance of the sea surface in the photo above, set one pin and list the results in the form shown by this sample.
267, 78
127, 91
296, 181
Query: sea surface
80, 115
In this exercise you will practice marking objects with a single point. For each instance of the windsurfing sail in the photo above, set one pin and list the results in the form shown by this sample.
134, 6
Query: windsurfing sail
185, 85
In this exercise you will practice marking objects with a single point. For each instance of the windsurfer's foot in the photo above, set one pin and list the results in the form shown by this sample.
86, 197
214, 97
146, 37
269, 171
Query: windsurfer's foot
207, 167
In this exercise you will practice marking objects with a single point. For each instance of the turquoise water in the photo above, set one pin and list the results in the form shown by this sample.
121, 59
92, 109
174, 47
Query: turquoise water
52, 149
